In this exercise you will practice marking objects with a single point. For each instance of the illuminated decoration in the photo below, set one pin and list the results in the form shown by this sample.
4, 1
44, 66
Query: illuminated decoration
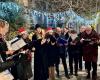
9, 11
70, 18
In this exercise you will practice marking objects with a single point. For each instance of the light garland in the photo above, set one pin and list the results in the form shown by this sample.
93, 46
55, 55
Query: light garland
65, 17
9, 10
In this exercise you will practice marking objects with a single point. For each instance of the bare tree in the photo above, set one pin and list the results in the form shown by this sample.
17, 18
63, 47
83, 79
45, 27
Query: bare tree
80, 6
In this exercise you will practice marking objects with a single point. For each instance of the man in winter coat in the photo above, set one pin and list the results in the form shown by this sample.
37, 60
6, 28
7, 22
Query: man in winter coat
90, 50
61, 42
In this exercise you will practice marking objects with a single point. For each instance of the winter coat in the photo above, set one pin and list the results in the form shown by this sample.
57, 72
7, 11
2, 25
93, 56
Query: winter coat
90, 51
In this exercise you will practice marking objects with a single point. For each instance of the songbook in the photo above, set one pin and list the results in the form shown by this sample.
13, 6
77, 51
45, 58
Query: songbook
62, 41
6, 75
16, 44
87, 40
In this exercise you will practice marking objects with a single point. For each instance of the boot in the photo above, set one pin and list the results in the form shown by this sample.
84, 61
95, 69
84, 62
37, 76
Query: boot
88, 76
67, 76
76, 74
58, 74
94, 75
71, 73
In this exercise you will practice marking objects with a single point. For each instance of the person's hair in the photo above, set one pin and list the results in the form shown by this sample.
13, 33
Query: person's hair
67, 28
73, 31
37, 26
3, 23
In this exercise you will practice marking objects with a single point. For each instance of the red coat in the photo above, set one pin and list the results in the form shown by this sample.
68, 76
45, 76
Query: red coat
90, 51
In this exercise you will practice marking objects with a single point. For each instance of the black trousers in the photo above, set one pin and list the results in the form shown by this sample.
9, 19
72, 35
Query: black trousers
93, 65
63, 58
73, 59
80, 61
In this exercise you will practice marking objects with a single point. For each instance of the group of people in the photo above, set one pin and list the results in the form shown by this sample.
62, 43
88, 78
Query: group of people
53, 45
50, 47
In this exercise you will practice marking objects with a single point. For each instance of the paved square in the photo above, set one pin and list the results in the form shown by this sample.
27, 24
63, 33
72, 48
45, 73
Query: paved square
81, 74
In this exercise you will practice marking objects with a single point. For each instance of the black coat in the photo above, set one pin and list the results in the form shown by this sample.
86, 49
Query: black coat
52, 51
67, 36
3, 49
80, 44
73, 49
6, 64
40, 60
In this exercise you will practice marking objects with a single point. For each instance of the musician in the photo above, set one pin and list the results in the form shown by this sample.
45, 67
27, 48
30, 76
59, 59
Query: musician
25, 71
82, 29
66, 36
73, 51
4, 51
90, 50
52, 51
61, 41
66, 32
40, 54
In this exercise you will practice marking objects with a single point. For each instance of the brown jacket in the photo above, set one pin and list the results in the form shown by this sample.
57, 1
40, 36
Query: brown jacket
90, 48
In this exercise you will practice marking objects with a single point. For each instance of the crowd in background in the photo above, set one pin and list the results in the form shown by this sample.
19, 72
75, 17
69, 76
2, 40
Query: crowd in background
51, 46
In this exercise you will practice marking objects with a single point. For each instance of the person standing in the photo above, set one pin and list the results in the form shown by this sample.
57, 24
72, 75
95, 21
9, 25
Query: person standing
90, 40
24, 68
5, 49
66, 33
80, 59
52, 50
40, 55
61, 42
73, 51
66, 36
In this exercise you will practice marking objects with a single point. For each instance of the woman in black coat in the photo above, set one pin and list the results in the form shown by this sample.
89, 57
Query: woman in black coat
52, 50
40, 56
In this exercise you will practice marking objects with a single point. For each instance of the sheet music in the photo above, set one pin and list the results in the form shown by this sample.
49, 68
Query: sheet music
6, 75
62, 41
16, 45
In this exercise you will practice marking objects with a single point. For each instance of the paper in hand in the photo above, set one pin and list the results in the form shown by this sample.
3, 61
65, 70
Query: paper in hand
62, 41
6, 75
17, 43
